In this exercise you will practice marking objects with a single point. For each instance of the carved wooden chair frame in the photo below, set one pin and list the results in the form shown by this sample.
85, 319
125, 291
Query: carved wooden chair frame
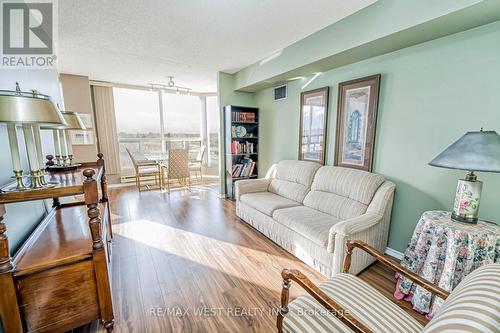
332, 306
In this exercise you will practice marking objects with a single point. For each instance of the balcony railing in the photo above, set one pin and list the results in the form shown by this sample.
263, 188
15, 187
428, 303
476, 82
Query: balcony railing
145, 148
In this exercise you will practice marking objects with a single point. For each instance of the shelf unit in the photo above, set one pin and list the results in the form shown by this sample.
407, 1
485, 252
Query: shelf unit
247, 118
60, 279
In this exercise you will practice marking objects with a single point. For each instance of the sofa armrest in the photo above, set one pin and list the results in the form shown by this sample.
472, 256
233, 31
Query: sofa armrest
349, 227
250, 186
368, 227
382, 198
356, 224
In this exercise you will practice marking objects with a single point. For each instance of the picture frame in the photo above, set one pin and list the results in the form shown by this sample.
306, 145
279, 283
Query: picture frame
82, 137
313, 124
356, 122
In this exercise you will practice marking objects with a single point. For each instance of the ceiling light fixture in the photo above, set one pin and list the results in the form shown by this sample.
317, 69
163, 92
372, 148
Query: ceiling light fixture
170, 86
171, 82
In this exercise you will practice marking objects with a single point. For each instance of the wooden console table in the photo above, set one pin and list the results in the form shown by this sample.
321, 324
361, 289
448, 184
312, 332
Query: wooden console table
59, 279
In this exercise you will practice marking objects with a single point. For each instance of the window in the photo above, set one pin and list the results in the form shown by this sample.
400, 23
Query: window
213, 131
137, 124
182, 121
146, 132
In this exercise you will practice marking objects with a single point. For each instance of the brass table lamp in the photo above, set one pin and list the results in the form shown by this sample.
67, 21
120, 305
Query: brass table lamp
474, 151
27, 109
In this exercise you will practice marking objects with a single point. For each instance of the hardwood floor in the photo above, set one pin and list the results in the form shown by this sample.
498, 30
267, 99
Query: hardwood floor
179, 254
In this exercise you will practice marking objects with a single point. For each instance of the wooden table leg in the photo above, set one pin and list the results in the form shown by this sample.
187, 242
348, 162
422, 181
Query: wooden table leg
9, 308
98, 251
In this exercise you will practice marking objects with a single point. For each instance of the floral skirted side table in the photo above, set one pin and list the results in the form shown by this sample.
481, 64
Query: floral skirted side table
444, 251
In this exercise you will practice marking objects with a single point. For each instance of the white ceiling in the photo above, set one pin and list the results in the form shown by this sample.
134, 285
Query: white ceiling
138, 42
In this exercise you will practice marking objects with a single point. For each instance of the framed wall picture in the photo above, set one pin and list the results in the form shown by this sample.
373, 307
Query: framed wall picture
356, 122
79, 137
313, 117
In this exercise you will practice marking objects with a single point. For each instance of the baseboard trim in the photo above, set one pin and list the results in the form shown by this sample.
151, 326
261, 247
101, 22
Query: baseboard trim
393, 253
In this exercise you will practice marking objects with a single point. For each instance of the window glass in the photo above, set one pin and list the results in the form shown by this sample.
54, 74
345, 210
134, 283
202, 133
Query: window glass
137, 124
213, 129
182, 122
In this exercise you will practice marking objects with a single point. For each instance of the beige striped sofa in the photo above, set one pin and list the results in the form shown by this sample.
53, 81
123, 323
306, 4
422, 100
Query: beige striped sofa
346, 304
310, 210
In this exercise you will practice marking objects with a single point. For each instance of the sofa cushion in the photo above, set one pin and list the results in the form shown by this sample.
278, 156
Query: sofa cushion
310, 223
473, 306
335, 205
373, 310
342, 192
293, 179
301, 247
351, 183
267, 202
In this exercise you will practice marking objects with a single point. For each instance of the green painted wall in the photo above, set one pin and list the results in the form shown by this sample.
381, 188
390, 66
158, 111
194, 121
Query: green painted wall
430, 95
227, 95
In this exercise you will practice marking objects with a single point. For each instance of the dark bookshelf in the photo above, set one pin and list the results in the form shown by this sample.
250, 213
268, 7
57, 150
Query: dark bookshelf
241, 135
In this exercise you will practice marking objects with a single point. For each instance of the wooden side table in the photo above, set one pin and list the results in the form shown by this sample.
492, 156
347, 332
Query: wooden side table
443, 252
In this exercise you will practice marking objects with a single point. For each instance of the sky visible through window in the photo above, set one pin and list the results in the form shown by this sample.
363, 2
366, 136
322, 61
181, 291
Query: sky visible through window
182, 113
137, 112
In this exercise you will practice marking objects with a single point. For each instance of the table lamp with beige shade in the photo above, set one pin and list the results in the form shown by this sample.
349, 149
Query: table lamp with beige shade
62, 141
474, 151
30, 110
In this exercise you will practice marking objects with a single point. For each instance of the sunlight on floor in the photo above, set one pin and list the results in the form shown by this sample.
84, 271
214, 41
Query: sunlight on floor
194, 247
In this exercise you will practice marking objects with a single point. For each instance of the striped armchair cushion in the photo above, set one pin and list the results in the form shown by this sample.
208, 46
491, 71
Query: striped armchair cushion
473, 306
362, 301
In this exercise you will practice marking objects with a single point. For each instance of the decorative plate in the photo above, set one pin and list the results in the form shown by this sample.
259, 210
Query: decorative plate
240, 131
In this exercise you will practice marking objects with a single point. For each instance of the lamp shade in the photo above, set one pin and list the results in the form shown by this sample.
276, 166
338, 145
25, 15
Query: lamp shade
74, 121
28, 108
474, 151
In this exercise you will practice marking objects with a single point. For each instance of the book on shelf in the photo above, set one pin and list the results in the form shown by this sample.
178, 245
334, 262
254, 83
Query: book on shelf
244, 147
245, 168
243, 117
236, 170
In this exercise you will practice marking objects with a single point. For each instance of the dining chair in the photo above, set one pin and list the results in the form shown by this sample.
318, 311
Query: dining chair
144, 169
177, 168
195, 164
